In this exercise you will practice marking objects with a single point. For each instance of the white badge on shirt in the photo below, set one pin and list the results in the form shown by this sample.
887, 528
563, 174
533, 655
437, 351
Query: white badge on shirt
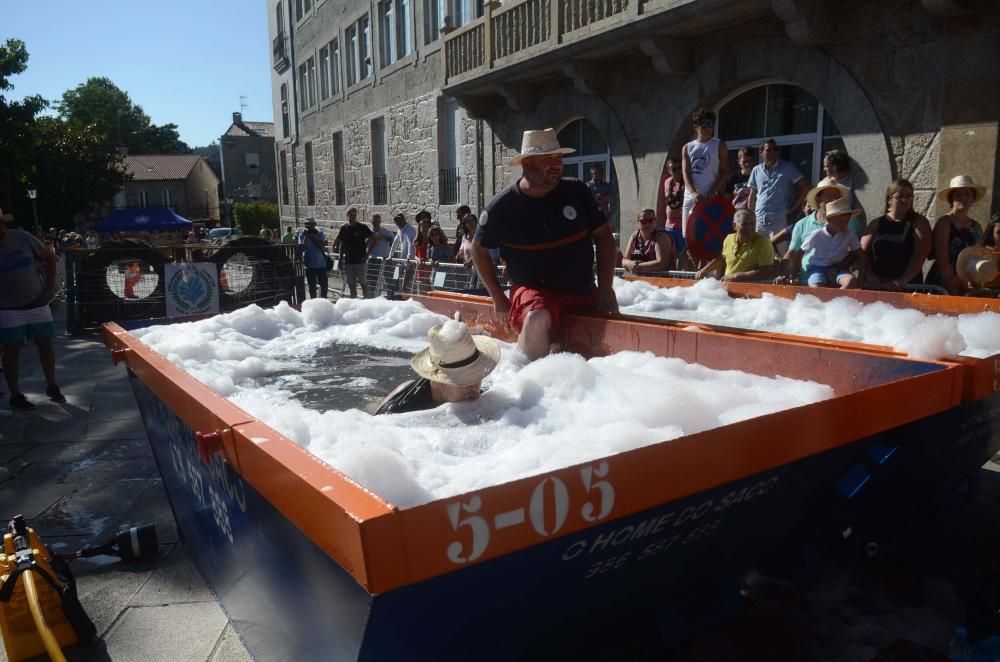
569, 212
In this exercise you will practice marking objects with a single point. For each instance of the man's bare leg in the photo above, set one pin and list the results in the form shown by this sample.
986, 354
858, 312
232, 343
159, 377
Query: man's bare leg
47, 357
534, 337
10, 367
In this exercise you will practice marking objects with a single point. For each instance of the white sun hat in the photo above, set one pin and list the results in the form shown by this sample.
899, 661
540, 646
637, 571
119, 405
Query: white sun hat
840, 207
976, 265
826, 184
539, 142
961, 181
455, 356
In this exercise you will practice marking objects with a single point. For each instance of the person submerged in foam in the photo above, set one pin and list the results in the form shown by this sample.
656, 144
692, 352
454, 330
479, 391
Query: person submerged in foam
451, 369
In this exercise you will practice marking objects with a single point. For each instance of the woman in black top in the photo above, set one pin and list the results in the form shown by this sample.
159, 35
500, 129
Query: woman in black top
898, 242
955, 231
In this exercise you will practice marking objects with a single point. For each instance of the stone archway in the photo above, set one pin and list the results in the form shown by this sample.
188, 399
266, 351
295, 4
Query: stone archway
749, 62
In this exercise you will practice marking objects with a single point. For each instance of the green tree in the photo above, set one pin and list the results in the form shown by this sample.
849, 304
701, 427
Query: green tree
17, 126
250, 217
100, 103
76, 169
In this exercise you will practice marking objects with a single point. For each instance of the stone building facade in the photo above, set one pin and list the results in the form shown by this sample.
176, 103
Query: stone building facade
910, 88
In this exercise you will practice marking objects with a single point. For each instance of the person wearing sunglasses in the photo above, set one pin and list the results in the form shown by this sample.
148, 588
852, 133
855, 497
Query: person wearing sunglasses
705, 163
650, 248
777, 191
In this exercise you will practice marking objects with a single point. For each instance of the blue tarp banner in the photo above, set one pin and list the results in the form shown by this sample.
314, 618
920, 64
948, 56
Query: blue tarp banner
145, 219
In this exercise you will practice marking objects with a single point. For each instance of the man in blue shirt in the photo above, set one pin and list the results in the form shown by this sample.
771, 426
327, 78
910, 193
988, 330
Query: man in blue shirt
313, 243
777, 191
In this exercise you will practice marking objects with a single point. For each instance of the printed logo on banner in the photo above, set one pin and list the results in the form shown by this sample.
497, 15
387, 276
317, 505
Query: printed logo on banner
192, 289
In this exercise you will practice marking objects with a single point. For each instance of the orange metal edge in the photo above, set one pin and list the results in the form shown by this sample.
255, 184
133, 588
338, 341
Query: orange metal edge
326, 505
981, 376
668, 471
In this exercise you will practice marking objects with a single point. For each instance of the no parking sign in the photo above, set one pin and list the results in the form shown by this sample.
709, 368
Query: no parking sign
707, 226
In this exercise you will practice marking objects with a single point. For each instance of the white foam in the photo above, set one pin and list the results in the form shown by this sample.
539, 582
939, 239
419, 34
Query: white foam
534, 417
904, 329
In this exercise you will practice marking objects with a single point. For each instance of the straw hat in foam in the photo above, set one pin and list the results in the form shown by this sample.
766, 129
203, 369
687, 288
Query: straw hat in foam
825, 184
976, 265
961, 181
839, 207
539, 143
455, 356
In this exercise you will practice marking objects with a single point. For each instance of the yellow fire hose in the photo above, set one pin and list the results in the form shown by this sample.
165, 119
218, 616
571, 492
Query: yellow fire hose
48, 638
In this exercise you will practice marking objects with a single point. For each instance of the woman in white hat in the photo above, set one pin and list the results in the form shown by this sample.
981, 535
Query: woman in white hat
898, 242
955, 231
451, 369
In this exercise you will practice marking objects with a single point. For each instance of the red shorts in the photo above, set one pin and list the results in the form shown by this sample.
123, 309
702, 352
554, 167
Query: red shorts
524, 299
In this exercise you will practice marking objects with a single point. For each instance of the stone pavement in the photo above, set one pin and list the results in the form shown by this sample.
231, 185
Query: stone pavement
78, 470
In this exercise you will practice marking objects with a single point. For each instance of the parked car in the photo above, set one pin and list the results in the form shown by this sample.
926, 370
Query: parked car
219, 233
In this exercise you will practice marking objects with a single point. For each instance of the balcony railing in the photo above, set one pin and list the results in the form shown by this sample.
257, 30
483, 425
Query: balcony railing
523, 27
339, 193
279, 51
380, 190
448, 185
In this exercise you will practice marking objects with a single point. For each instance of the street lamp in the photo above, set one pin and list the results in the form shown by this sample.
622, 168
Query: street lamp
33, 194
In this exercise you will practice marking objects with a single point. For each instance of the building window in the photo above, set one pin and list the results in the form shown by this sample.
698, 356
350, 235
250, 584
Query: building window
324, 73
279, 19
302, 7
168, 198
143, 198
801, 126
310, 184
461, 12
284, 110
120, 202
339, 191
432, 20
394, 24
252, 160
380, 185
334, 67
450, 166
307, 83
283, 164
591, 150
359, 61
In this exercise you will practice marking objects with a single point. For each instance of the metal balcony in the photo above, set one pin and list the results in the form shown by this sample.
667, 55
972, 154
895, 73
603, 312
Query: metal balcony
279, 52
500, 57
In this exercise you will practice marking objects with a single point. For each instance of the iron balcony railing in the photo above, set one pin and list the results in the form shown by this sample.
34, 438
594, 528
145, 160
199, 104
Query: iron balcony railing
448, 185
380, 190
279, 51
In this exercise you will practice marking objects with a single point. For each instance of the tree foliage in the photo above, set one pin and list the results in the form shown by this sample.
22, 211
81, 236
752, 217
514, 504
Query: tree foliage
101, 104
76, 168
250, 217
17, 121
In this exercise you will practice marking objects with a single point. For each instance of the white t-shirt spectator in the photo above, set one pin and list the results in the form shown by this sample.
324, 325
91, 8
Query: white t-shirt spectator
829, 249
403, 243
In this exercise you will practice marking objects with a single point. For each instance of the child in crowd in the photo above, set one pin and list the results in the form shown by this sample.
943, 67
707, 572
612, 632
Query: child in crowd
835, 248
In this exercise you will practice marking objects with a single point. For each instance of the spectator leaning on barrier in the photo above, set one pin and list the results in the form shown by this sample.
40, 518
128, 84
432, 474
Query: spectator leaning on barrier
545, 227
746, 253
777, 190
835, 248
827, 190
27, 285
352, 246
402, 245
381, 239
438, 248
898, 242
955, 231
313, 243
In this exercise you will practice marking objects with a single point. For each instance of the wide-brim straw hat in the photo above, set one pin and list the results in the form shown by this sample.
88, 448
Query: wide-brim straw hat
976, 265
841, 207
455, 356
826, 184
539, 143
961, 181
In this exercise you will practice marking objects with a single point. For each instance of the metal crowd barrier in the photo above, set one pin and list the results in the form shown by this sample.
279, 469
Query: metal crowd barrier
392, 277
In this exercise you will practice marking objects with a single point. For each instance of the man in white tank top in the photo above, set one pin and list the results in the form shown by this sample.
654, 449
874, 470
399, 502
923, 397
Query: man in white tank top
705, 163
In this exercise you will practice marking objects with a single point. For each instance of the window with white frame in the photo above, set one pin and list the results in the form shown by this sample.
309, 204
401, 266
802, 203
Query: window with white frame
358, 41
284, 110
302, 7
334, 67
324, 73
394, 30
461, 12
432, 20
311, 74
303, 97
143, 198
168, 198
797, 121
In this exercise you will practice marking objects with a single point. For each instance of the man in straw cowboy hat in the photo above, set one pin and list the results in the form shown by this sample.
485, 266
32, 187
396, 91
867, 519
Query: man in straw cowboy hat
451, 369
27, 284
834, 249
545, 227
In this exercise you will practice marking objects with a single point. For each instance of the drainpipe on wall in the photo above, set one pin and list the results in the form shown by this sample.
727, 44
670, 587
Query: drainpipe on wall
480, 193
295, 117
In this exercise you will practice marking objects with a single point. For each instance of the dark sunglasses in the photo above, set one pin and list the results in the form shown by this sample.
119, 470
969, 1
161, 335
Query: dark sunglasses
707, 124
646, 220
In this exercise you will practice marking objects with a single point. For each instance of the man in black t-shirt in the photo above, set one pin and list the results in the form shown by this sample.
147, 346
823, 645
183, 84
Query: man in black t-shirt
352, 244
545, 227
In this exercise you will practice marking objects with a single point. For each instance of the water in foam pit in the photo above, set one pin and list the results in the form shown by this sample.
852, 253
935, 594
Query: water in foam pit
343, 376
